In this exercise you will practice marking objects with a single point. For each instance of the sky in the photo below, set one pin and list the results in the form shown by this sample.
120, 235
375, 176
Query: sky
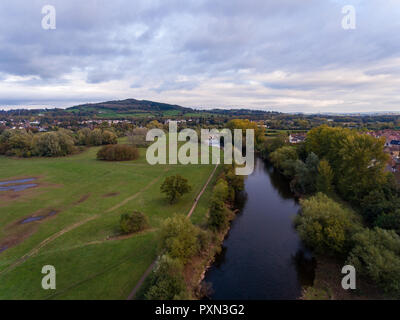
281, 55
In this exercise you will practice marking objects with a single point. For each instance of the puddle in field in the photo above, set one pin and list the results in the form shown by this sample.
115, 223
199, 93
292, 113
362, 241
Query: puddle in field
3, 249
31, 219
17, 185
38, 218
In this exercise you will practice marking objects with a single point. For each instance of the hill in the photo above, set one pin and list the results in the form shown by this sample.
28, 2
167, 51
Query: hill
129, 107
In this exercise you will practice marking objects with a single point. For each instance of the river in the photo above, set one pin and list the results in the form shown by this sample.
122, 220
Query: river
262, 257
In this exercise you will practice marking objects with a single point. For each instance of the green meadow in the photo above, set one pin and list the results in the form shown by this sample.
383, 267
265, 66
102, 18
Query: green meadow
83, 241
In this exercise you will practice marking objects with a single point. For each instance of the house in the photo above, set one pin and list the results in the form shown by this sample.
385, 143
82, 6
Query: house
297, 138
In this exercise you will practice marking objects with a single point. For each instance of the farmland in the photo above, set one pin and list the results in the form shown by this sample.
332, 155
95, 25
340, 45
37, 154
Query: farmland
81, 239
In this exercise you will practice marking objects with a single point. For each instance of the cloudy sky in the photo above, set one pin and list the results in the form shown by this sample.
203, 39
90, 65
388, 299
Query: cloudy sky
284, 55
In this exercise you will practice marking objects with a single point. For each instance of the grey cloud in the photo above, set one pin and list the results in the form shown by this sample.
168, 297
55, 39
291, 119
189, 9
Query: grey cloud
160, 41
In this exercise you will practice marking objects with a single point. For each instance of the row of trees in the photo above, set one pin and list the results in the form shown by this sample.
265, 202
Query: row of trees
180, 240
225, 191
22, 143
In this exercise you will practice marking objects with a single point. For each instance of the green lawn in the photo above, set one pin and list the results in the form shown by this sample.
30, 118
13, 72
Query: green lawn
89, 265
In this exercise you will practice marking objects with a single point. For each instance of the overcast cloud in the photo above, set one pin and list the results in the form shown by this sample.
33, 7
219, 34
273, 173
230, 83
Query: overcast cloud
284, 55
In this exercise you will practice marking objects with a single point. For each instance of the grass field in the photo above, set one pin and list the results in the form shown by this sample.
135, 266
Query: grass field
82, 241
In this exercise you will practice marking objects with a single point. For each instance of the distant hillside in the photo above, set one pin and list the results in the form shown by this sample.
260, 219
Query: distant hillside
130, 105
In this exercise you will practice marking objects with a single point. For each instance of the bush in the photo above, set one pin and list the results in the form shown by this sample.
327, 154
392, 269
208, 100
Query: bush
325, 225
53, 144
118, 153
133, 222
109, 137
175, 187
377, 254
167, 282
178, 237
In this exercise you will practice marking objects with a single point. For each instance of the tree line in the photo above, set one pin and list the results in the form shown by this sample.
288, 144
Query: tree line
350, 204
23, 143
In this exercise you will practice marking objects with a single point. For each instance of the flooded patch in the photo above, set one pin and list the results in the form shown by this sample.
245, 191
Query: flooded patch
38, 218
2, 183
3, 249
31, 219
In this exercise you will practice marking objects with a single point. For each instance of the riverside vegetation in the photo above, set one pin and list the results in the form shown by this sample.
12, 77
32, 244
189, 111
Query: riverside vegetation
350, 204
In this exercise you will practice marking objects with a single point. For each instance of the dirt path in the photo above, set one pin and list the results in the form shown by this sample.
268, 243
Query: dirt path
151, 267
201, 192
45, 242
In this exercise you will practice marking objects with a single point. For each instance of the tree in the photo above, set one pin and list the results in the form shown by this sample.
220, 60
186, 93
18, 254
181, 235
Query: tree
376, 254
178, 238
53, 144
283, 154
218, 218
96, 137
357, 160
325, 225
133, 222
245, 124
234, 181
175, 187
325, 177
272, 144
109, 137
137, 137
167, 282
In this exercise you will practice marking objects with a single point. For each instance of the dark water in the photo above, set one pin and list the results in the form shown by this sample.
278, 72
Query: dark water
31, 219
263, 257
16, 185
37, 218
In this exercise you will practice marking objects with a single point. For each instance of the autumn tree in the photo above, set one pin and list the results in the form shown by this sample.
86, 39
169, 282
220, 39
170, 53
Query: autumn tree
325, 177
175, 187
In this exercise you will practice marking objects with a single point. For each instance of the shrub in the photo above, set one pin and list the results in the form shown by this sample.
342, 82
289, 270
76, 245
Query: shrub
167, 282
377, 254
178, 237
109, 137
133, 222
118, 153
175, 187
325, 225
218, 218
